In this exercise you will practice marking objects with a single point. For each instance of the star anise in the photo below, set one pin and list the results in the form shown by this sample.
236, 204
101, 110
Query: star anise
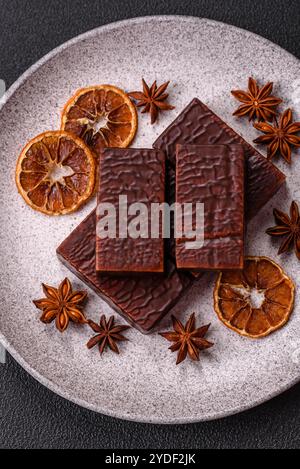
152, 99
187, 339
258, 103
107, 334
287, 227
280, 137
62, 304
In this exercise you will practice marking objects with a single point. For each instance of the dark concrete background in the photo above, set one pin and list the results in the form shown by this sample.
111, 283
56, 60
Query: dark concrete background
32, 416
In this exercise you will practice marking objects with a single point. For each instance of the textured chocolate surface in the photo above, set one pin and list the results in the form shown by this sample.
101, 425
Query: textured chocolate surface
198, 125
139, 175
212, 175
170, 197
141, 300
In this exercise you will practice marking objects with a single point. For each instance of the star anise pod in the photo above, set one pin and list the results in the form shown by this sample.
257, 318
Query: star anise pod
288, 227
258, 103
62, 304
107, 334
152, 99
280, 137
188, 340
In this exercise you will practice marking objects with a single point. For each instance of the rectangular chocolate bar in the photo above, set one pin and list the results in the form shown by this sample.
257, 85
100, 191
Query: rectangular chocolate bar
143, 300
170, 197
198, 125
126, 177
212, 175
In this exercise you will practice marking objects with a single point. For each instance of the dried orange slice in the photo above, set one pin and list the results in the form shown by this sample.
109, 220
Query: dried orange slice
55, 173
256, 301
103, 116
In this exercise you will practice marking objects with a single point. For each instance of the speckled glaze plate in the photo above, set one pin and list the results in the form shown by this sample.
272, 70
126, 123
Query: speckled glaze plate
202, 58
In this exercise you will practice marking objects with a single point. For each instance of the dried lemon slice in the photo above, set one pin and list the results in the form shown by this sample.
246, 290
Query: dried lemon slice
103, 116
55, 173
256, 301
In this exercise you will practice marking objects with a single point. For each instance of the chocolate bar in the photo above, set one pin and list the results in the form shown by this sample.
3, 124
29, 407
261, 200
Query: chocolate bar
138, 176
198, 125
143, 300
170, 197
212, 175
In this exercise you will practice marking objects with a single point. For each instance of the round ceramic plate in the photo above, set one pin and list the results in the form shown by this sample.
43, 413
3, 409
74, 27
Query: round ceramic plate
202, 59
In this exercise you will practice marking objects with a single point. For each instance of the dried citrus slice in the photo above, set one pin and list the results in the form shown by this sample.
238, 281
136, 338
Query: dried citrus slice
103, 116
55, 173
256, 301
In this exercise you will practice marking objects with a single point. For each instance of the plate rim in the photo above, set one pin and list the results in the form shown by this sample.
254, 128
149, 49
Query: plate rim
5, 341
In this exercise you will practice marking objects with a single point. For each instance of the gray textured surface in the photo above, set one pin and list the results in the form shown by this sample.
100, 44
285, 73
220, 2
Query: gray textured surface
191, 435
2, 354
